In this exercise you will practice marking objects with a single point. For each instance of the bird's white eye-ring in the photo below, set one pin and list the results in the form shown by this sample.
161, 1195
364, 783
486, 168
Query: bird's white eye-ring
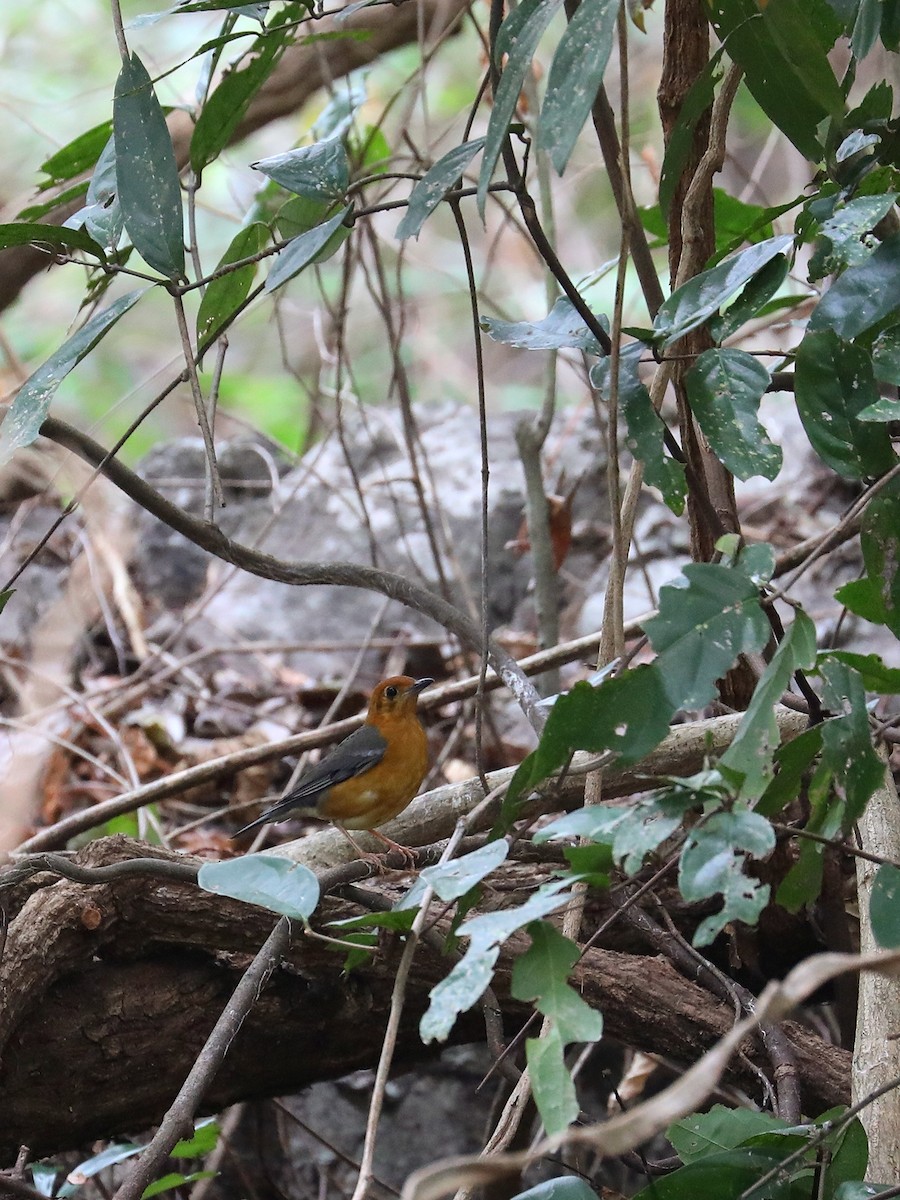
391, 692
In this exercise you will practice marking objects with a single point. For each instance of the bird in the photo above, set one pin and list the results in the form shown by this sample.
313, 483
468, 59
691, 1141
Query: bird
370, 776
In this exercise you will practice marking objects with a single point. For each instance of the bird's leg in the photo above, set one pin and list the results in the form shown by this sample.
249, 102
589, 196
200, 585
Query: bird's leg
408, 854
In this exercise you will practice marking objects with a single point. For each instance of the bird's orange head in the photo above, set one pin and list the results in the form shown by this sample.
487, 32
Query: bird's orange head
395, 699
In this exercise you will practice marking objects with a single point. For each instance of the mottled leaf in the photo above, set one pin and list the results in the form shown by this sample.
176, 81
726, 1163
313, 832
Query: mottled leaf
696, 301
434, 185
724, 388
303, 250
319, 172
834, 381
32, 401
707, 617
146, 172
562, 326
575, 77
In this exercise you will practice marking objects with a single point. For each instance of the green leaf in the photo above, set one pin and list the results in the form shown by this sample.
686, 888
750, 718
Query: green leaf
225, 107
398, 920
783, 51
628, 714
646, 428
724, 389
738, 222
303, 250
847, 740
750, 757
877, 596
575, 77
205, 1139
840, 243
793, 760
146, 172
77, 157
695, 302
713, 863
49, 237
562, 326
551, 1081
833, 382
727, 1175
753, 298
173, 1180
434, 186
540, 976
23, 421
707, 617
226, 293
319, 172
876, 676
884, 906
518, 38
681, 138
274, 883
471, 975
701, 1134
863, 295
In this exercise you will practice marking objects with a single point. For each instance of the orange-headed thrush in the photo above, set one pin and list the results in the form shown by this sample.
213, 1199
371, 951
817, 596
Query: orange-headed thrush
372, 775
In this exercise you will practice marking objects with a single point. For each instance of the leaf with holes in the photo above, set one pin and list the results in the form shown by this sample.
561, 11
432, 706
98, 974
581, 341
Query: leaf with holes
724, 389
471, 975
707, 617
713, 863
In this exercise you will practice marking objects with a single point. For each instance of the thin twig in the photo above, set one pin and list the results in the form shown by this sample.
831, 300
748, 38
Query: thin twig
178, 1121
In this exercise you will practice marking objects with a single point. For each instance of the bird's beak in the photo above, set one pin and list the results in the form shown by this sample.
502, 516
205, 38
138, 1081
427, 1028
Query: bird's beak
419, 686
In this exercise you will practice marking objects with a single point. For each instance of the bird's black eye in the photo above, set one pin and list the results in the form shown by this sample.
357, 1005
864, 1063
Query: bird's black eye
391, 692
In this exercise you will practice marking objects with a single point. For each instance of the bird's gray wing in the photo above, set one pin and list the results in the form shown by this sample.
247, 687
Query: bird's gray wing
363, 749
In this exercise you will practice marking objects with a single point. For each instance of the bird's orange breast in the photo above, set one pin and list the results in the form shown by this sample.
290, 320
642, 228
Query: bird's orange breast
377, 795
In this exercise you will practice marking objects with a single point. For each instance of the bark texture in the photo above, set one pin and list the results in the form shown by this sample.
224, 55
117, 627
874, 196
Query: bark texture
108, 991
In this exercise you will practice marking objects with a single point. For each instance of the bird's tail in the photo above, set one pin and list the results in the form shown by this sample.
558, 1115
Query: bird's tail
278, 812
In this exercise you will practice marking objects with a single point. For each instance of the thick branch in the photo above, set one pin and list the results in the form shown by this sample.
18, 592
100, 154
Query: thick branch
115, 989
